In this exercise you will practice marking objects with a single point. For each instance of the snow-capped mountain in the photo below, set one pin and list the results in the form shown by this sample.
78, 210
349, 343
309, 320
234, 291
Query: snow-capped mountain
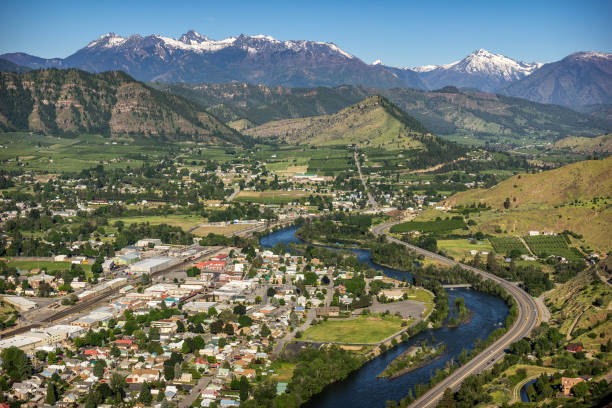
481, 70
195, 58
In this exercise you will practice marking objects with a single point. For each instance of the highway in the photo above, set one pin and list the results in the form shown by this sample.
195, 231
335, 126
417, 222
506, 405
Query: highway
528, 318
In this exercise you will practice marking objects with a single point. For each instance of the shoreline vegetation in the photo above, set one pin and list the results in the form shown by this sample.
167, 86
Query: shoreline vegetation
415, 357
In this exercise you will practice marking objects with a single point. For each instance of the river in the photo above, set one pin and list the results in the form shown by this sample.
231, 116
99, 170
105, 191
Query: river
362, 388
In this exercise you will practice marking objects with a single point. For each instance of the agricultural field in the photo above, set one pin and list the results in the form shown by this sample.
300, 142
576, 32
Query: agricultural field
363, 329
186, 222
544, 245
503, 245
271, 197
436, 226
49, 154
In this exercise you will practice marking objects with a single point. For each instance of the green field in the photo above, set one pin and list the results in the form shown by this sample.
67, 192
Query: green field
503, 245
544, 245
184, 221
435, 226
49, 266
460, 248
363, 329
271, 197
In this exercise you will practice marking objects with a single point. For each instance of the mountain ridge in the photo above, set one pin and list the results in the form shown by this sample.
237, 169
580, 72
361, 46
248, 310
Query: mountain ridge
70, 102
448, 111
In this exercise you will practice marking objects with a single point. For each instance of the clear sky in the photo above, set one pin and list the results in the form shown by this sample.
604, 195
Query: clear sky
401, 33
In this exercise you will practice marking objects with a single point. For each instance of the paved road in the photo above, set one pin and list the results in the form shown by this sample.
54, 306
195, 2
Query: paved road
528, 318
278, 348
195, 392
371, 201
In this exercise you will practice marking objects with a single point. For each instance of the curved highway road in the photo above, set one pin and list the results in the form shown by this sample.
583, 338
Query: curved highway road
528, 318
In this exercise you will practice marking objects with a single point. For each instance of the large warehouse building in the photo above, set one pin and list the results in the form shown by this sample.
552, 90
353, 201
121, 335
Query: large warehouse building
152, 265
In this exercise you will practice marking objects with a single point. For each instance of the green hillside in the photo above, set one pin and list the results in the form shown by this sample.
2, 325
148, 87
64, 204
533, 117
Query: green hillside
588, 145
373, 122
73, 102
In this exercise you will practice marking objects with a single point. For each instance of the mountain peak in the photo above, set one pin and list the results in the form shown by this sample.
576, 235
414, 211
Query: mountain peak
107, 41
193, 36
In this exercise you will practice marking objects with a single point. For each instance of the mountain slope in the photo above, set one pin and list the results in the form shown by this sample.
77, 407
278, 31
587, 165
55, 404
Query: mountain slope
194, 58
448, 112
481, 70
372, 122
69, 102
577, 181
587, 145
583, 78
8, 66
575, 197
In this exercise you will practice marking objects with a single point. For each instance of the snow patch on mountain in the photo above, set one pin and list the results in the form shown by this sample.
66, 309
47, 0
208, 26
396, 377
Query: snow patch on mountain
195, 42
484, 62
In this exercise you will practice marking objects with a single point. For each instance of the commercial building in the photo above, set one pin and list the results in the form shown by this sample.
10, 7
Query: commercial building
20, 303
152, 265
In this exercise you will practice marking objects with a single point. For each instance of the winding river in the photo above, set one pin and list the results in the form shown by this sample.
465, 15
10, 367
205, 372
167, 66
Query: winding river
362, 388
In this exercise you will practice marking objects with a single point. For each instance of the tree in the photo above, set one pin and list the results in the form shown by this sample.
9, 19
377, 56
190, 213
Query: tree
145, 394
51, 397
115, 352
180, 327
580, 390
99, 367
117, 385
216, 326
153, 333
15, 364
229, 329
265, 330
244, 388
245, 321
447, 399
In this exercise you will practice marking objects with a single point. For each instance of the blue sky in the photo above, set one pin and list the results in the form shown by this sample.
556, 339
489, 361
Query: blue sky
402, 33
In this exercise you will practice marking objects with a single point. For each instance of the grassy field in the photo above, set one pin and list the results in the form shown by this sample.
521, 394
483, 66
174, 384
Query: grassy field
49, 266
220, 229
460, 248
184, 221
283, 371
503, 245
270, 197
363, 329
437, 226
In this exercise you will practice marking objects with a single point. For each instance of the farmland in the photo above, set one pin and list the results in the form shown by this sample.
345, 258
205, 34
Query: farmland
544, 245
435, 226
503, 245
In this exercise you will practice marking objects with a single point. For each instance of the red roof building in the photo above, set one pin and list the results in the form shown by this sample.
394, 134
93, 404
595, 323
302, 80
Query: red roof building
214, 266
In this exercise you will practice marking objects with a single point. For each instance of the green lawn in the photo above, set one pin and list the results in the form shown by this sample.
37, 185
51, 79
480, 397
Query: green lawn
48, 265
363, 329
